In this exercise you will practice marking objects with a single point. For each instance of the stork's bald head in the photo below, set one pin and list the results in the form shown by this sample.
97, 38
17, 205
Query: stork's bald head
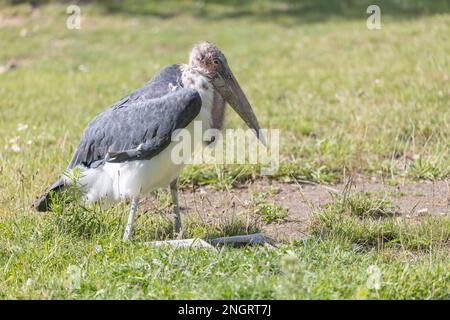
209, 61
206, 57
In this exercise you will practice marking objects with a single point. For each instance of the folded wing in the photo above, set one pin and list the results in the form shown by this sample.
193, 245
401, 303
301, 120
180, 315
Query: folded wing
138, 130
138, 126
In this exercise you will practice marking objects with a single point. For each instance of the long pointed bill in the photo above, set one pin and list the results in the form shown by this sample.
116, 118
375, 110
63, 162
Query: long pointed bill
232, 93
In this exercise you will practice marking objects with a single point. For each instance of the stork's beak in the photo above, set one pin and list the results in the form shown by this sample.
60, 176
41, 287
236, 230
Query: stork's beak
231, 92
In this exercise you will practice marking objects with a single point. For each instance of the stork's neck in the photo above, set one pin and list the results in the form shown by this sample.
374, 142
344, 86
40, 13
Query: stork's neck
193, 79
212, 111
211, 99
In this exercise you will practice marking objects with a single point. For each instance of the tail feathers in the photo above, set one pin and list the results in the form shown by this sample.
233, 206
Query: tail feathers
43, 202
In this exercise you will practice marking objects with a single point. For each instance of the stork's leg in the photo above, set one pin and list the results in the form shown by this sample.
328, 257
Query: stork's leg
133, 209
174, 192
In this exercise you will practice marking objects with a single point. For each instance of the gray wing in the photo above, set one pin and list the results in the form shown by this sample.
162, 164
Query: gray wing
138, 126
139, 129
160, 85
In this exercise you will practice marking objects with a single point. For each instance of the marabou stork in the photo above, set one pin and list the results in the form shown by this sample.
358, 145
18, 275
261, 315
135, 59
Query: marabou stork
125, 151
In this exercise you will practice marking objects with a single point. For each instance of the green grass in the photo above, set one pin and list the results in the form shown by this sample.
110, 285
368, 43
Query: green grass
362, 221
270, 212
266, 211
361, 204
63, 264
346, 99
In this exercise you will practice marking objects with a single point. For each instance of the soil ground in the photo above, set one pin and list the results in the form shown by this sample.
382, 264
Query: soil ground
209, 204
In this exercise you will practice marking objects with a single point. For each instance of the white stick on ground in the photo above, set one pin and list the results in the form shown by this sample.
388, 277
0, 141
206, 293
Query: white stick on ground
184, 243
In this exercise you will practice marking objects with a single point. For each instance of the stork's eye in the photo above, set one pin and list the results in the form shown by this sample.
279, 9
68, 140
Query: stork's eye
216, 62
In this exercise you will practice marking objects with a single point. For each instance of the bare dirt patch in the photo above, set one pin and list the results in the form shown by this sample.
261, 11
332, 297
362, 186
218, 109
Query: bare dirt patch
301, 200
8, 21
